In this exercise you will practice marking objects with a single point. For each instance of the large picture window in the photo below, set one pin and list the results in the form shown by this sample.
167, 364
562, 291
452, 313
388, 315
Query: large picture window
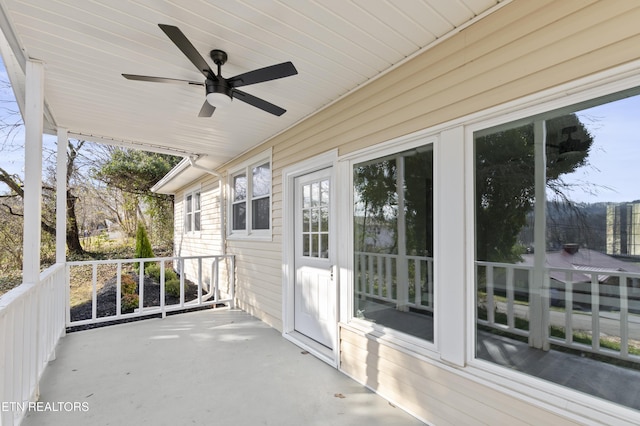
251, 200
393, 241
557, 258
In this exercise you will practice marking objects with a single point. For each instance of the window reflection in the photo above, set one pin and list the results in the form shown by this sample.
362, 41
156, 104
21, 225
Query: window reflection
393, 241
261, 180
557, 270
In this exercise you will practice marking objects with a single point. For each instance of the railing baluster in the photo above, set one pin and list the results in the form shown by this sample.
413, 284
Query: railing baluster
67, 301
94, 293
215, 266
430, 283
141, 290
370, 273
568, 308
417, 279
379, 274
200, 280
491, 317
510, 299
595, 312
233, 281
624, 316
361, 270
388, 281
119, 290
162, 289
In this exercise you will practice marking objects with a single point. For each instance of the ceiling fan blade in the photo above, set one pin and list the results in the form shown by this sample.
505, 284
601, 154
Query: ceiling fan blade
160, 79
179, 39
258, 103
273, 72
206, 110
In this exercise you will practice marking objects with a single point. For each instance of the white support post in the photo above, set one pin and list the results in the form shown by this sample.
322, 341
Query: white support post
33, 120
538, 291
61, 196
450, 306
403, 263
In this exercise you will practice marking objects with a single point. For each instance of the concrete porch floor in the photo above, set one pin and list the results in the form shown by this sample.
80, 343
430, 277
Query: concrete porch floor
212, 367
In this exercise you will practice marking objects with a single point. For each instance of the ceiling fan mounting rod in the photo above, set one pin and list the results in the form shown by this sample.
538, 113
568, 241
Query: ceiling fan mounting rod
219, 58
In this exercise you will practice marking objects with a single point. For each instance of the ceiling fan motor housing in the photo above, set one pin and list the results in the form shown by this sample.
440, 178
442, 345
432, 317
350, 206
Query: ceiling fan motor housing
218, 86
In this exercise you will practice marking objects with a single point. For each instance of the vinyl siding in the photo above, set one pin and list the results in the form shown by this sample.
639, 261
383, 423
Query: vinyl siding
522, 49
208, 240
431, 392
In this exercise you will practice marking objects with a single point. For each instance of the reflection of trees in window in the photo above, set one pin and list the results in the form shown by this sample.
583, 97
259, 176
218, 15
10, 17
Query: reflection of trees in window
261, 180
377, 203
505, 180
419, 203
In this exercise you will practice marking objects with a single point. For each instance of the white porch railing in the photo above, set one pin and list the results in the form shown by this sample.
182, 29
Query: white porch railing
33, 317
392, 278
587, 302
31, 323
213, 275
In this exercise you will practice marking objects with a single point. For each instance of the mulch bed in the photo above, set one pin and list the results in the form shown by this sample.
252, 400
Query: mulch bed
106, 302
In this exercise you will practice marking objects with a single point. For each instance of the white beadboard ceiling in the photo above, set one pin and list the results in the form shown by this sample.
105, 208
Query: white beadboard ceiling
336, 46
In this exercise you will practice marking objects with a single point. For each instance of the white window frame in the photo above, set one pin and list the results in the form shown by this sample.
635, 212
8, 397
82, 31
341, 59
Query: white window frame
189, 217
246, 168
551, 396
397, 338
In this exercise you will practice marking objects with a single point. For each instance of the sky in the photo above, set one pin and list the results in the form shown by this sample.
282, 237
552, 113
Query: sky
12, 146
10, 159
615, 153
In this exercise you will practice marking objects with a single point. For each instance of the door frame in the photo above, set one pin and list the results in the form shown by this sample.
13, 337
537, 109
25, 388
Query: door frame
289, 174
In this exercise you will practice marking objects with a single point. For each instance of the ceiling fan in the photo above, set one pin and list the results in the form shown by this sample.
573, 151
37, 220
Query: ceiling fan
219, 90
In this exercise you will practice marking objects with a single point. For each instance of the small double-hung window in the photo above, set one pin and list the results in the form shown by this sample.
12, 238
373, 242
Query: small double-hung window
250, 210
192, 212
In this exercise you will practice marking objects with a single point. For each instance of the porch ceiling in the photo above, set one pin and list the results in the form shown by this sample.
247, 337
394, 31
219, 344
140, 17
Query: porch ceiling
336, 46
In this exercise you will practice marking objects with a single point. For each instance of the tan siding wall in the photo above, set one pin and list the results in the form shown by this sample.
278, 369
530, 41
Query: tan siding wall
431, 392
523, 48
259, 278
208, 241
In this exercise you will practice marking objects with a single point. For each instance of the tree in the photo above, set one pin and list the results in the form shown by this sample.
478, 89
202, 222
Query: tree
505, 180
377, 200
143, 245
73, 238
16, 188
133, 173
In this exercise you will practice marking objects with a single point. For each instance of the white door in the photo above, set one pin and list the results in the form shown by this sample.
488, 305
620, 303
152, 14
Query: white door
315, 286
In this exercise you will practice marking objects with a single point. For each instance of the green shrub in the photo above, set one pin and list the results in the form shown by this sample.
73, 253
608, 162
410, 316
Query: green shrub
169, 274
129, 296
129, 301
172, 287
153, 271
127, 284
143, 245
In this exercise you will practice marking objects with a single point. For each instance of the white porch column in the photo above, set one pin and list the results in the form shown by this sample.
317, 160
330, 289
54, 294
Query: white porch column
402, 267
61, 196
450, 258
538, 288
33, 120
